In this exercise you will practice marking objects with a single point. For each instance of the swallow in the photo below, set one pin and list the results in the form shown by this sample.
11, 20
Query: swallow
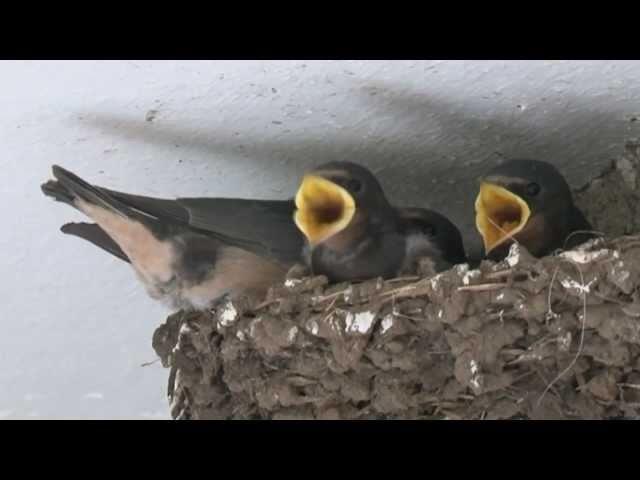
188, 252
353, 233
530, 202
430, 234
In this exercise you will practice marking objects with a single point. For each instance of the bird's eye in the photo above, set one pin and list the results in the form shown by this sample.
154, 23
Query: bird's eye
354, 185
533, 189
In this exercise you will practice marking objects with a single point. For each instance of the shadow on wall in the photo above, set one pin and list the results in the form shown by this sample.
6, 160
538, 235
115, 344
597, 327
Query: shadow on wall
427, 151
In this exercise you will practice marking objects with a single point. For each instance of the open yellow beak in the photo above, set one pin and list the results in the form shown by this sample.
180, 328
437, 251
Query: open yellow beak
323, 208
500, 215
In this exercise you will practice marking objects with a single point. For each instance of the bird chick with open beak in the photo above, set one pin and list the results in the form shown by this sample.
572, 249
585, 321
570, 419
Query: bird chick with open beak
353, 232
530, 202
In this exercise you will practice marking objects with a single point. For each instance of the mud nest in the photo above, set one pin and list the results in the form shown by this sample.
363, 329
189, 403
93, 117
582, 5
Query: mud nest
550, 338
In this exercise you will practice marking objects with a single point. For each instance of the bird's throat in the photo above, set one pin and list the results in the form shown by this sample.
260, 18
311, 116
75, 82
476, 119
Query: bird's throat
500, 215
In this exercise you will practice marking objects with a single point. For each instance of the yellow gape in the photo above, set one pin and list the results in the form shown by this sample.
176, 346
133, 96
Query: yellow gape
500, 215
323, 208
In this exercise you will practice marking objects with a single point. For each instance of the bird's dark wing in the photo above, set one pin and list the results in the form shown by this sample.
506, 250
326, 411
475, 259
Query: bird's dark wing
265, 227
268, 223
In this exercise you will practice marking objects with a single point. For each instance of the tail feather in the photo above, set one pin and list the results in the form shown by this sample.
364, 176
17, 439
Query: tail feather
87, 192
58, 192
68, 188
112, 230
95, 235
155, 207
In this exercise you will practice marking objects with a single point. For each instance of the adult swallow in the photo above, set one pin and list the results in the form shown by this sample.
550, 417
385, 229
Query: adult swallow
530, 202
354, 233
188, 252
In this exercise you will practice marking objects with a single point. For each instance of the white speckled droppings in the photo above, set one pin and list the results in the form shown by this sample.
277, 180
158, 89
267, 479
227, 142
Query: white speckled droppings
475, 383
476, 377
228, 315
500, 296
292, 333
564, 341
474, 367
578, 256
241, 336
462, 268
291, 282
514, 255
359, 322
348, 294
312, 326
252, 326
386, 324
470, 275
572, 284
530, 356
618, 274
185, 329
435, 282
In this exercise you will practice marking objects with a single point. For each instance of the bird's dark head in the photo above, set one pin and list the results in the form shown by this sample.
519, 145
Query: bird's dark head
436, 229
512, 194
332, 195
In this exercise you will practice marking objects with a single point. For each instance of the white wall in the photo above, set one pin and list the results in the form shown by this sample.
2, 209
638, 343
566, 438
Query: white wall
75, 325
